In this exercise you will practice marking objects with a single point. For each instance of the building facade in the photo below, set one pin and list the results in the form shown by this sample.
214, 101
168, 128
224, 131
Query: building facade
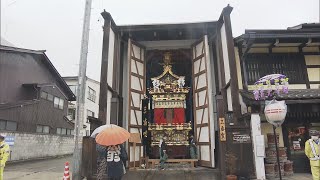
295, 53
132, 55
91, 105
33, 101
219, 71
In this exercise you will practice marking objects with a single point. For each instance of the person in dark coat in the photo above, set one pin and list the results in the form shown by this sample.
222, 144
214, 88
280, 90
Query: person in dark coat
163, 154
101, 161
193, 148
116, 159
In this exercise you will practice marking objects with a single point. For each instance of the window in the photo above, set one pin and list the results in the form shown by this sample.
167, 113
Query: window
92, 95
42, 129
8, 125
63, 131
46, 129
43, 95
72, 113
58, 130
73, 89
47, 96
50, 97
3, 124
58, 103
11, 126
61, 102
259, 65
90, 113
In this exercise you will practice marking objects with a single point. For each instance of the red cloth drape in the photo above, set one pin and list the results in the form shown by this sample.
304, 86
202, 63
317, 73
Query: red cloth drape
179, 115
159, 116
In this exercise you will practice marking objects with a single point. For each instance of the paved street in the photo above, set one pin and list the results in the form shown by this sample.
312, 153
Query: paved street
199, 174
42, 169
53, 169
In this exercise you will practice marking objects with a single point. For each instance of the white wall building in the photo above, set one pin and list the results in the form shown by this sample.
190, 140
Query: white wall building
91, 105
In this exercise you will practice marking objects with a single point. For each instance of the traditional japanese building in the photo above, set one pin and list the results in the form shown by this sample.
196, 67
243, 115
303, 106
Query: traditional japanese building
195, 79
183, 69
294, 52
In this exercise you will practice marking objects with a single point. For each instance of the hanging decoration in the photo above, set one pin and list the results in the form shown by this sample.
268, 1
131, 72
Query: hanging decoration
270, 86
275, 112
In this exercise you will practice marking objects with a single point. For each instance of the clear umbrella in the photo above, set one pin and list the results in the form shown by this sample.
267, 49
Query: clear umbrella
99, 129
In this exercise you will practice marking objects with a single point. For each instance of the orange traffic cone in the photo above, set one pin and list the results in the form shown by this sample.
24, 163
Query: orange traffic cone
66, 175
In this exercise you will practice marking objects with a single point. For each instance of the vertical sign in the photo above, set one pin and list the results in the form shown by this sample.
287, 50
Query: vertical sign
145, 122
222, 126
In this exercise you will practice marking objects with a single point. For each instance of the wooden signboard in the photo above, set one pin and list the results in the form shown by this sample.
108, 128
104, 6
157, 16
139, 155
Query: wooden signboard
222, 126
135, 138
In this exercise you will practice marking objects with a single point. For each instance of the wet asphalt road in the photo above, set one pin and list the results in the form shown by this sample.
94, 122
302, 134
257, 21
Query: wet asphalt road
197, 174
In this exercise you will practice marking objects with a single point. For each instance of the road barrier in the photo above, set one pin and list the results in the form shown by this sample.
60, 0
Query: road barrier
66, 175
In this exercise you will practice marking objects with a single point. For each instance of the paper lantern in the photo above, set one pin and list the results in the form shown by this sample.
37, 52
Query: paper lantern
275, 112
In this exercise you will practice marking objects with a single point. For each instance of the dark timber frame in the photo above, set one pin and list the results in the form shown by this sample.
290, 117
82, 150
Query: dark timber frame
167, 32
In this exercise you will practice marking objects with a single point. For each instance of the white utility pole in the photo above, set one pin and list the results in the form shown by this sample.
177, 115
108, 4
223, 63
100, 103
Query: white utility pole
77, 154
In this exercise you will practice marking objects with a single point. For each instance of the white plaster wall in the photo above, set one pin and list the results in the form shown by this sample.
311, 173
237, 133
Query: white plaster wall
311, 49
225, 53
229, 99
110, 57
238, 66
90, 105
313, 73
285, 49
267, 128
210, 96
109, 96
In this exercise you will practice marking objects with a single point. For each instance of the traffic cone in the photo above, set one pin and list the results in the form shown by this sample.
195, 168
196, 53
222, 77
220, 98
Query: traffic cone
66, 175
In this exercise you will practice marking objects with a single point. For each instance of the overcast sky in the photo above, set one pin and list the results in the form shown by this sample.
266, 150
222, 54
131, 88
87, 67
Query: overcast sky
56, 25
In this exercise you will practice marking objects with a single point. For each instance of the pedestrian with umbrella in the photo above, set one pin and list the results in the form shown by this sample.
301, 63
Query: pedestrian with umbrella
112, 136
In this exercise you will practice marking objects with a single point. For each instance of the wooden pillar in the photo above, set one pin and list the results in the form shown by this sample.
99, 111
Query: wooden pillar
305, 69
232, 64
222, 144
103, 97
243, 69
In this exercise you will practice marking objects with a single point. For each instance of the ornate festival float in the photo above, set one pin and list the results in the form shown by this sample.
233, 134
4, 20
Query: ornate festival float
169, 103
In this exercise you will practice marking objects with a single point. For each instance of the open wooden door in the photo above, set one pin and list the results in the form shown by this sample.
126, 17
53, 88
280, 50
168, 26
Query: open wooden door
137, 89
202, 102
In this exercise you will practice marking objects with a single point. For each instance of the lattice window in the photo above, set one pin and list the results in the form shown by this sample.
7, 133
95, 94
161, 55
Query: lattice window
259, 65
